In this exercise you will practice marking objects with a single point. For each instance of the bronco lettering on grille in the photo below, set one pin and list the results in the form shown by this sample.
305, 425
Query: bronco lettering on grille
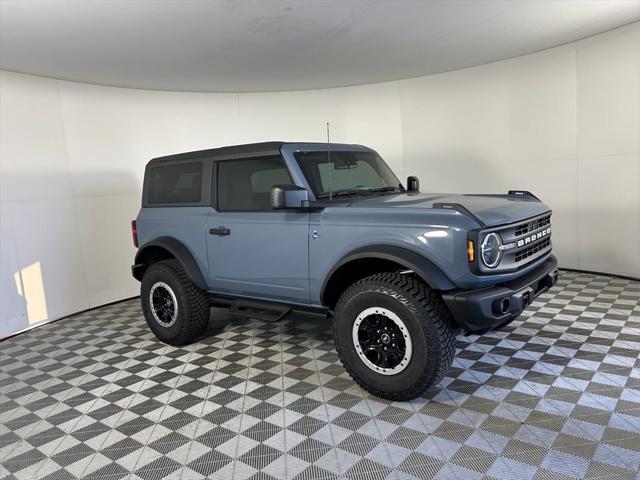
532, 238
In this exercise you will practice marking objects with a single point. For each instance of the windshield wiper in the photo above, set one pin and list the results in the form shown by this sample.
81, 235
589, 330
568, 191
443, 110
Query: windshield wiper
359, 191
383, 189
344, 192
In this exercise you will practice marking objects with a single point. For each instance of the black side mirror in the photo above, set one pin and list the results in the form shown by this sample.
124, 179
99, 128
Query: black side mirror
289, 197
413, 184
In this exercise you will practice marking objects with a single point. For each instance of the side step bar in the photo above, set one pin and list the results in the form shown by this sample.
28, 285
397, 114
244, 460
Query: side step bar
268, 312
262, 309
255, 309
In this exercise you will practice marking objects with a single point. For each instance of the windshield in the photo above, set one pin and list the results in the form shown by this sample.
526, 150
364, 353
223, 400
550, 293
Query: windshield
348, 173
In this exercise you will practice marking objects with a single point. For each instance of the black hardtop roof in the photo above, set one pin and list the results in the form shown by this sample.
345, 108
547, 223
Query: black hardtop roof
261, 149
247, 150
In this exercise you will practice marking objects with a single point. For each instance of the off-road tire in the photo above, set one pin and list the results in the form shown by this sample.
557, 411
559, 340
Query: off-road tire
432, 329
193, 304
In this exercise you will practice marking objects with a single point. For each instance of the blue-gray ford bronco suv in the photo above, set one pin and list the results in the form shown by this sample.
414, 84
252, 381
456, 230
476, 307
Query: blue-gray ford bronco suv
271, 227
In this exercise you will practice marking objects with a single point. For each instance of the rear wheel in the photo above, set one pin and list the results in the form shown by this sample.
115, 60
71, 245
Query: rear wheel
394, 335
176, 310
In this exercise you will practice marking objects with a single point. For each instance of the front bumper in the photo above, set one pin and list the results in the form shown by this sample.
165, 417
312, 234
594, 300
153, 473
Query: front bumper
490, 307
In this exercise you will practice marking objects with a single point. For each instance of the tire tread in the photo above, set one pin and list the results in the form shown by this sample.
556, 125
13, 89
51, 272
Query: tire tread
197, 305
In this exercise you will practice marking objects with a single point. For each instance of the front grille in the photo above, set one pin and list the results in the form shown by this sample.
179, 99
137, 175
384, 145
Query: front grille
532, 249
524, 242
532, 225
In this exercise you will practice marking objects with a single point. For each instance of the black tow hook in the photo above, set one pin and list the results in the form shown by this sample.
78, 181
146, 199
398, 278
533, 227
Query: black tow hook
526, 299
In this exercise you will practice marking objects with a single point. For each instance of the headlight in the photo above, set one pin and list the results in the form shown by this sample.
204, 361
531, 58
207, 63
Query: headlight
490, 250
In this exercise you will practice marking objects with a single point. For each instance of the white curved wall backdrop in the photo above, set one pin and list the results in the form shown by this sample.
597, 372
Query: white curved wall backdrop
563, 123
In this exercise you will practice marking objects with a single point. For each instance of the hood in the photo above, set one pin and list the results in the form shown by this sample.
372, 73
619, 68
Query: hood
491, 209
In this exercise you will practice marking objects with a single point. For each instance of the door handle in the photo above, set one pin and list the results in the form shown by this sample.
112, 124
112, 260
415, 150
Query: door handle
220, 231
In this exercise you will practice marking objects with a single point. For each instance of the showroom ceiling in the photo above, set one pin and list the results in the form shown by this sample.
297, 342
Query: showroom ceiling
235, 46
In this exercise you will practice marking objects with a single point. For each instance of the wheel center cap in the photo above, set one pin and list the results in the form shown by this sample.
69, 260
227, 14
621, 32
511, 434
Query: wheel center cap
385, 338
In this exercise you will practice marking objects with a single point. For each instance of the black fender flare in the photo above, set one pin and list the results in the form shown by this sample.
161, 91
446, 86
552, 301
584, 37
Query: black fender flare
422, 266
178, 250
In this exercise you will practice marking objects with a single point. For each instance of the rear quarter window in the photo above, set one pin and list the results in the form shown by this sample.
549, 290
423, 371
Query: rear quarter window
175, 184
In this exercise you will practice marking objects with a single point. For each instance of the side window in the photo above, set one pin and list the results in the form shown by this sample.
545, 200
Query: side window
245, 185
177, 183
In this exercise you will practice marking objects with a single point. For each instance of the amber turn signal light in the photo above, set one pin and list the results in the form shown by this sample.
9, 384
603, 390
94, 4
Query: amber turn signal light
471, 251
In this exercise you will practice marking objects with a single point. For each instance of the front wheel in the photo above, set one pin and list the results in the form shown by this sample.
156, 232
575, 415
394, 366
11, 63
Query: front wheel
176, 310
394, 335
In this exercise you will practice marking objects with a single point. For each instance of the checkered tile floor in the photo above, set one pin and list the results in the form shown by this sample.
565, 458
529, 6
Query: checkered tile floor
554, 395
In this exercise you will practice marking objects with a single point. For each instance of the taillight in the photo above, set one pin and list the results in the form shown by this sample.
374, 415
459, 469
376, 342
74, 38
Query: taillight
134, 233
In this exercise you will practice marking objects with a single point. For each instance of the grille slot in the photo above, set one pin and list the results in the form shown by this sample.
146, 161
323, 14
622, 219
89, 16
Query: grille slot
532, 249
532, 225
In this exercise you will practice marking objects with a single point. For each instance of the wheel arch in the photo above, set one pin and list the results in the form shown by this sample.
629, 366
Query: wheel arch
164, 248
366, 261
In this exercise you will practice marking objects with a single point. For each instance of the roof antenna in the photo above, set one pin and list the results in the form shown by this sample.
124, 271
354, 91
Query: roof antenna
329, 160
